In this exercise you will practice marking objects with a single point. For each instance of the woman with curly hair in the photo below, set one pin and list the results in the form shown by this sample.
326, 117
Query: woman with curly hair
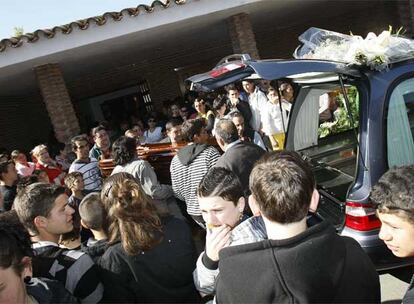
153, 254
126, 159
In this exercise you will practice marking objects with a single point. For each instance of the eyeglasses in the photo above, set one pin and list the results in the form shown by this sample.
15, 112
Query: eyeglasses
151, 120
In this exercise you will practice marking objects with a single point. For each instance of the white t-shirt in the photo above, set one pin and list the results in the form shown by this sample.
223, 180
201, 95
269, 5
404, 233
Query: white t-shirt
22, 170
153, 137
272, 119
257, 102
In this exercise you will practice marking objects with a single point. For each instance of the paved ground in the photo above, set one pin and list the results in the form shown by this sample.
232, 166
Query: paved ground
392, 289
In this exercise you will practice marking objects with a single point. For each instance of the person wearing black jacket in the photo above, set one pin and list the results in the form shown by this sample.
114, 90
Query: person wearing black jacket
239, 156
154, 256
297, 263
236, 104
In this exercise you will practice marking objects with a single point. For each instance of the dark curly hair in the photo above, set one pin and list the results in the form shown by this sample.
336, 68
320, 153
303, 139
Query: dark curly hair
14, 242
394, 192
124, 150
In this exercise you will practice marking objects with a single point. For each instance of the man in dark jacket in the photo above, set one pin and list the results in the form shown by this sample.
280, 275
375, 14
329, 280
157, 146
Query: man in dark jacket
236, 104
239, 156
297, 263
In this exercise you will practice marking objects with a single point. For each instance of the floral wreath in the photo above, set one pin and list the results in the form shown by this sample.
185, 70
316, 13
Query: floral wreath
375, 52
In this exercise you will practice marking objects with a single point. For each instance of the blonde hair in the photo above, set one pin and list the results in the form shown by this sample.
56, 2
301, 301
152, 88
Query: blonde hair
36, 150
132, 216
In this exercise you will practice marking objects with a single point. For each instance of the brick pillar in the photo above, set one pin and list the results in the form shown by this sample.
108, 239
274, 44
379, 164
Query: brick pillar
58, 104
242, 35
406, 14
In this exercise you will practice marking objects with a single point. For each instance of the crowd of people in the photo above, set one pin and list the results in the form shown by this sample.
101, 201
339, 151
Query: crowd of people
68, 235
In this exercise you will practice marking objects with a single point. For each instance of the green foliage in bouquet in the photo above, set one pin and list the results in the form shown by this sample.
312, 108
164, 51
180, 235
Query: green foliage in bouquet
342, 121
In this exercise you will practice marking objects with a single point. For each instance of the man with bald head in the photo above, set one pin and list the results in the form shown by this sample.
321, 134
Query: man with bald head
239, 156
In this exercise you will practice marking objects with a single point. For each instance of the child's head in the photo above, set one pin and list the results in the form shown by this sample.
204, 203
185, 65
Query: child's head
26, 181
92, 212
74, 181
220, 196
283, 187
41, 176
394, 197
18, 157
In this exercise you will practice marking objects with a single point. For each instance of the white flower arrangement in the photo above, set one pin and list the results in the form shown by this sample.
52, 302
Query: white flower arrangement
376, 52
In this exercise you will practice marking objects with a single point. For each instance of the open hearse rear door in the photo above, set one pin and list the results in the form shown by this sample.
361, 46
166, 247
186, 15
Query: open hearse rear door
313, 79
237, 67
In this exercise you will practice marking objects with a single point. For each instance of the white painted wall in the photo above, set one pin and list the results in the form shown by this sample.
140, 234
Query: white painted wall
112, 29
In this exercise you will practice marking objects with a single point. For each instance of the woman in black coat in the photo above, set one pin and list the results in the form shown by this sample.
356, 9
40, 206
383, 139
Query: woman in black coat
153, 255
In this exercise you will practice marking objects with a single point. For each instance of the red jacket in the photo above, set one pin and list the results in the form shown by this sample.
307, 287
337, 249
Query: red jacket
52, 172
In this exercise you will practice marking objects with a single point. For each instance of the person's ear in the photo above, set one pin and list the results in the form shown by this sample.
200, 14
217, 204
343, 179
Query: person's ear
253, 206
314, 201
196, 138
27, 267
40, 222
241, 204
220, 142
83, 224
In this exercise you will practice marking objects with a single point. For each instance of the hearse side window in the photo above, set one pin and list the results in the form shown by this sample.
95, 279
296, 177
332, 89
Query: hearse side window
400, 125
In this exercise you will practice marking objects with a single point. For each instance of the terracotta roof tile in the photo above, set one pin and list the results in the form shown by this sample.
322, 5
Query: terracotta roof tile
83, 24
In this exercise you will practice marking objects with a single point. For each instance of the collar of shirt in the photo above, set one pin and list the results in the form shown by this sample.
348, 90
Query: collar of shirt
44, 244
232, 144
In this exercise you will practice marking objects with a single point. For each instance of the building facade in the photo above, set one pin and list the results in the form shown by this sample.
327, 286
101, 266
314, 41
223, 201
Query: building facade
62, 80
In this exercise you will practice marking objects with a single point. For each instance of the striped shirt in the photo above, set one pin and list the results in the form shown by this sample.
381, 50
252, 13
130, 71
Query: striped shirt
74, 269
90, 172
185, 178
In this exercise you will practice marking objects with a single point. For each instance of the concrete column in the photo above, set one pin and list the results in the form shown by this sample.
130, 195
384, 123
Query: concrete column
242, 35
406, 14
57, 100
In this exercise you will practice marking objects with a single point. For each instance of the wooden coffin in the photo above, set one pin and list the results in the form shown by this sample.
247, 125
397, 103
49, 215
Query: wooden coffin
158, 155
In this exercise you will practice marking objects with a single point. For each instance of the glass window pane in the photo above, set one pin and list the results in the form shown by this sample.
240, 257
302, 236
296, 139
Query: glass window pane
400, 125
